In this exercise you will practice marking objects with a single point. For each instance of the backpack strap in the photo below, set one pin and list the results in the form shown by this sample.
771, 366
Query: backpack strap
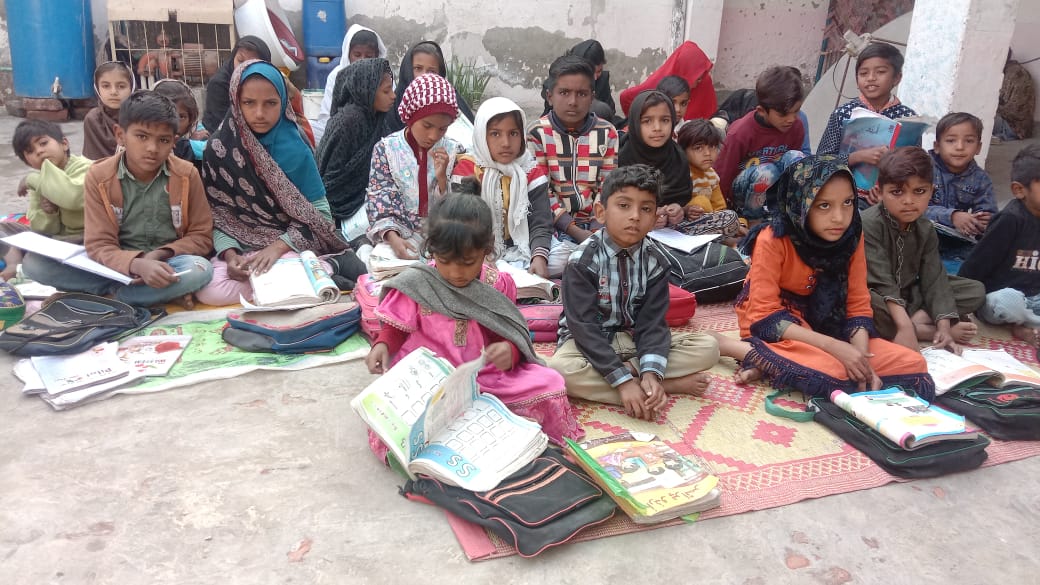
775, 410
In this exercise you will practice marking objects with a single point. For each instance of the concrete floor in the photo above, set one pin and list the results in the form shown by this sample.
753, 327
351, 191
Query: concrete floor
219, 482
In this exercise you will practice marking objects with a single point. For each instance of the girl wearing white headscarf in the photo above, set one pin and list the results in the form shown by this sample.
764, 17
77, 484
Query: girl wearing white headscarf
511, 183
355, 47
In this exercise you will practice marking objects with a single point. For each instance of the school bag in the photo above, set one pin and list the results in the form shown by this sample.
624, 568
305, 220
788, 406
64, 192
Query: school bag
72, 323
713, 272
1011, 414
313, 329
12, 306
681, 306
543, 321
366, 293
542, 505
928, 461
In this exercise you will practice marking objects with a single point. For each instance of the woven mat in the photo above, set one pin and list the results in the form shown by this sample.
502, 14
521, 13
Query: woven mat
762, 461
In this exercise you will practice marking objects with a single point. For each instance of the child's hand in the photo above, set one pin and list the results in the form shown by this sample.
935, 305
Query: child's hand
662, 219
378, 358
154, 273
539, 266
202, 134
874, 195
499, 354
403, 249
856, 362
694, 212
871, 156
943, 337
237, 266
982, 218
967, 224
265, 259
440, 161
48, 206
633, 397
674, 212
23, 187
655, 395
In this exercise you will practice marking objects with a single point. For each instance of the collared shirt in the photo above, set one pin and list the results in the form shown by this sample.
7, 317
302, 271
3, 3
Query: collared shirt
606, 289
146, 220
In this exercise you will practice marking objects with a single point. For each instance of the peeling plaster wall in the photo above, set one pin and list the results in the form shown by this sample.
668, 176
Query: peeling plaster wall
1025, 43
758, 34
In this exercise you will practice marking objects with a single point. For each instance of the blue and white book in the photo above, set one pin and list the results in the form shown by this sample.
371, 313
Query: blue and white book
906, 420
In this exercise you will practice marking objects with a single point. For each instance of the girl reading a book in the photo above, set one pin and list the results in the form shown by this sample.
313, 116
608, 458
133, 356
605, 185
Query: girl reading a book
461, 309
512, 184
805, 316
263, 186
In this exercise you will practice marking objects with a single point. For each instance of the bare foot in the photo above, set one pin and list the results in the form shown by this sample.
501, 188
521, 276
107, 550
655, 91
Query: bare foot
694, 384
187, 302
964, 331
1026, 334
730, 347
748, 376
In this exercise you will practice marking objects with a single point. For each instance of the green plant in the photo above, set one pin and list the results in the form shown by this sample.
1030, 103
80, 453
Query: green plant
468, 80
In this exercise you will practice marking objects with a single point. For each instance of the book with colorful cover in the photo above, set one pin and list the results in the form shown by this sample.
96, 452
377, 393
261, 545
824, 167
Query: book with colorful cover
648, 479
977, 367
292, 283
435, 421
152, 355
907, 421
866, 129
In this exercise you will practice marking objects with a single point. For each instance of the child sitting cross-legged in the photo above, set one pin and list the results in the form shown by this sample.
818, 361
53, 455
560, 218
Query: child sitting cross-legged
461, 308
805, 316
706, 213
912, 296
145, 213
615, 346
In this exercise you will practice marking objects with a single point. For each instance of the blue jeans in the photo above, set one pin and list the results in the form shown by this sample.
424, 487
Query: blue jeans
51, 272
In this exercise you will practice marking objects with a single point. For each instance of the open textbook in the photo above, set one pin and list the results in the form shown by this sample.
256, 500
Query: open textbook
67, 253
528, 285
905, 420
435, 421
866, 129
292, 283
681, 241
976, 367
647, 479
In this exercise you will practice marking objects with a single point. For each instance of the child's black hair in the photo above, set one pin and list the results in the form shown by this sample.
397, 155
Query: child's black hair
29, 130
656, 98
697, 132
1025, 169
365, 38
780, 89
590, 50
180, 94
954, 118
883, 51
458, 225
897, 166
428, 48
148, 107
113, 66
642, 177
673, 86
602, 110
570, 65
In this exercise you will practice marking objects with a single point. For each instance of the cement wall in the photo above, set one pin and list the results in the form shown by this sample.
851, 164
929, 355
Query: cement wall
1025, 43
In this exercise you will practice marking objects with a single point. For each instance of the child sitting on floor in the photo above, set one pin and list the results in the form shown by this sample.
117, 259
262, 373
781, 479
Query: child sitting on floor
706, 212
678, 91
1007, 259
963, 198
576, 149
912, 296
760, 145
614, 345
113, 83
461, 309
512, 184
188, 110
145, 214
805, 316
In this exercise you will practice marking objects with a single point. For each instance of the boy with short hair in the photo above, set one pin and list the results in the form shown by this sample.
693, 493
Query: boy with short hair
54, 187
706, 213
576, 149
614, 344
963, 197
1007, 258
146, 215
764, 142
913, 298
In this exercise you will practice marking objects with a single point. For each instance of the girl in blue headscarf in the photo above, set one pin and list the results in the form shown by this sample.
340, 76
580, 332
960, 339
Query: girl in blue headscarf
263, 185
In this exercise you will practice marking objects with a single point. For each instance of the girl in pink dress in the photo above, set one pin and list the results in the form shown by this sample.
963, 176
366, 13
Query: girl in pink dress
459, 308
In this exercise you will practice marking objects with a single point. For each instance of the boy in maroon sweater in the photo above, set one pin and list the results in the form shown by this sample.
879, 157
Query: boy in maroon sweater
763, 143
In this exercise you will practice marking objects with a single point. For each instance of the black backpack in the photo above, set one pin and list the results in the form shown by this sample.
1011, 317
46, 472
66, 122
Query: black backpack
1011, 414
72, 323
713, 273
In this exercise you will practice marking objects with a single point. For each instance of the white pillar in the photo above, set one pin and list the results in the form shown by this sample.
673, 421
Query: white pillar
955, 59
701, 23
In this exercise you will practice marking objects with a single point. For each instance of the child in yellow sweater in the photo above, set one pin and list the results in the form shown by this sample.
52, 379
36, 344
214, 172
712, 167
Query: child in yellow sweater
706, 213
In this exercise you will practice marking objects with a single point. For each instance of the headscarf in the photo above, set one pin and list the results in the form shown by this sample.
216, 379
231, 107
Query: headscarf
330, 82
217, 101
794, 193
669, 158
689, 62
261, 186
405, 78
427, 95
345, 152
491, 183
99, 134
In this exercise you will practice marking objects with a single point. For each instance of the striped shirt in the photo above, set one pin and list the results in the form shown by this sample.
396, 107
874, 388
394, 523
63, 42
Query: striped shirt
607, 289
